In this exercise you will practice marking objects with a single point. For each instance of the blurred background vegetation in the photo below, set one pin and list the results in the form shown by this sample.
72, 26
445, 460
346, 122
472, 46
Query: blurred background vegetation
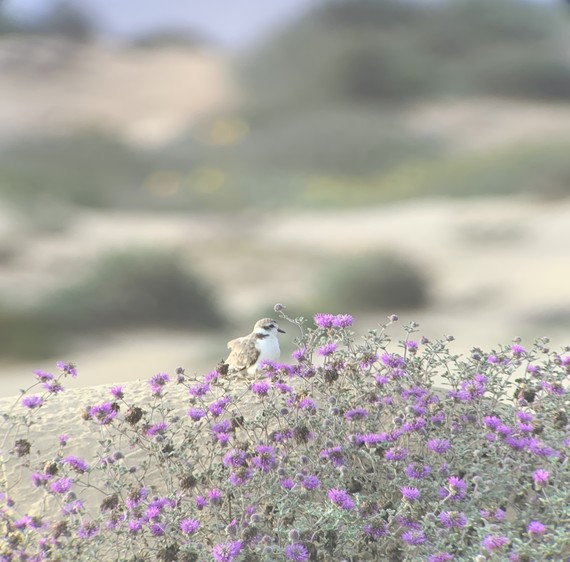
351, 104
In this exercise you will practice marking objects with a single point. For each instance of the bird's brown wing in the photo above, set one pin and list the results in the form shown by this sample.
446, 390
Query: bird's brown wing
243, 353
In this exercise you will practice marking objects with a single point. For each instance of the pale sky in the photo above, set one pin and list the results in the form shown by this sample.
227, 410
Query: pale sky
232, 23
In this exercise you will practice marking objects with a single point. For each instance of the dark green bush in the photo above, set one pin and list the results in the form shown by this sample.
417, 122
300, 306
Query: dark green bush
387, 51
24, 336
376, 281
332, 140
88, 168
134, 289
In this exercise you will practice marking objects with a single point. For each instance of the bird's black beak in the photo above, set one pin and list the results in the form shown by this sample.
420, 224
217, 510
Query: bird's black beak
280, 330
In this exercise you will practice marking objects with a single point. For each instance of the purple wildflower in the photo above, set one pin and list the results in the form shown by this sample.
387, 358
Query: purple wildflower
287, 483
200, 389
536, 529
157, 529
396, 454
264, 459
393, 360
189, 526
438, 419
226, 552
201, 502
299, 354
63, 438
221, 437
323, 320
42, 375
310, 482
413, 537
235, 458
327, 349
135, 497
296, 552
492, 422
356, 414
367, 361
503, 430
67, 368
156, 429
450, 519
78, 465
73, 507
375, 530
524, 416
157, 383
240, 476
415, 425
134, 526
457, 486
261, 388
439, 446
342, 321
540, 476
217, 407
492, 543
411, 346
414, 391
334, 455
381, 380
32, 402
340, 498
196, 414
417, 472
410, 494
103, 414
373, 438
23, 522
39, 479
307, 404
53, 387
282, 387
541, 449
499, 514
117, 392
215, 496
212, 376
223, 426
61, 485
87, 530
517, 349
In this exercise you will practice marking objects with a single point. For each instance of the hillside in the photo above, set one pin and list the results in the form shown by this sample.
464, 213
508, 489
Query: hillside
148, 95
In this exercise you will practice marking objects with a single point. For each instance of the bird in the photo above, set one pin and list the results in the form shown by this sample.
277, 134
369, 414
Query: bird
247, 352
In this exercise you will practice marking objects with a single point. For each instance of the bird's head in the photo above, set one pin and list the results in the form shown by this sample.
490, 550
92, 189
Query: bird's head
267, 326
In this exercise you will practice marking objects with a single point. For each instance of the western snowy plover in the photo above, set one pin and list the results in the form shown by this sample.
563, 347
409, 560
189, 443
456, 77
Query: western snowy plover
247, 352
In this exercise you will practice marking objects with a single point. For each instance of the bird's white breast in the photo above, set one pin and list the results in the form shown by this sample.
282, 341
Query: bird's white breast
268, 349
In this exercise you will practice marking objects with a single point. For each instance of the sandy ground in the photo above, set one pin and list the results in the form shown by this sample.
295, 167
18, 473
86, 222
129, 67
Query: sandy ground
497, 266
487, 124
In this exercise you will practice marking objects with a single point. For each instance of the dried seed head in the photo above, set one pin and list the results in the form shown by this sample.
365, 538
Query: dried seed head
51, 468
110, 502
188, 481
22, 447
134, 415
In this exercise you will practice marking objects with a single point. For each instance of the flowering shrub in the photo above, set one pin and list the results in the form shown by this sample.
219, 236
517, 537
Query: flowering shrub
348, 453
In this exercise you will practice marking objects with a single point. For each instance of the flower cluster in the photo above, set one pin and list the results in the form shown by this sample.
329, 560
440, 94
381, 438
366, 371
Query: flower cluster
370, 452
